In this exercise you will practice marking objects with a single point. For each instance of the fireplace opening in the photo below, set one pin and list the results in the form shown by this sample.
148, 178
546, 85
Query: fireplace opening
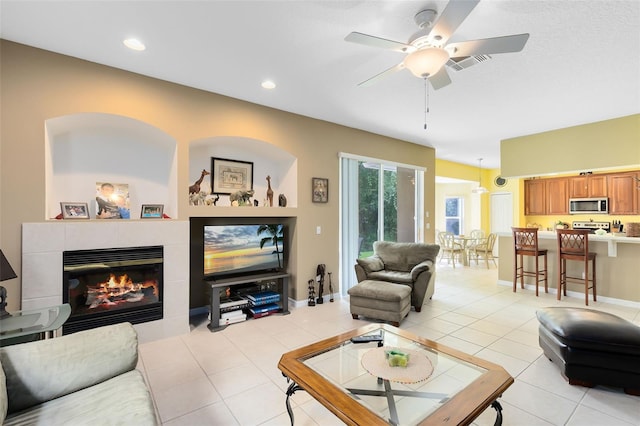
109, 286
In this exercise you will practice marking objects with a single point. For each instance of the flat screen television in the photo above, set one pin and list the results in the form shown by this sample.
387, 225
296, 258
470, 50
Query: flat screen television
243, 249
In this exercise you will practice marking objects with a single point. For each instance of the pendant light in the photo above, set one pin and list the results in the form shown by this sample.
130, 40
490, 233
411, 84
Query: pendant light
480, 189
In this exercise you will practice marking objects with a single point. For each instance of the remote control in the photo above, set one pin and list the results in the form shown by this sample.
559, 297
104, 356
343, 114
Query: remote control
367, 338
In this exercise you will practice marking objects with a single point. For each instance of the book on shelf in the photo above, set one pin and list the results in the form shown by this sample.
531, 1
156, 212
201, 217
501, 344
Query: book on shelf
264, 297
258, 311
264, 314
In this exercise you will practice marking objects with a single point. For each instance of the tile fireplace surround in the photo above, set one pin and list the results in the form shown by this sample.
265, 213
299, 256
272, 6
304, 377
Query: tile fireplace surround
43, 244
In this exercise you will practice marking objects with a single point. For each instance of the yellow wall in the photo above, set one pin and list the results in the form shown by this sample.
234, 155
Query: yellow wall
37, 85
451, 169
604, 145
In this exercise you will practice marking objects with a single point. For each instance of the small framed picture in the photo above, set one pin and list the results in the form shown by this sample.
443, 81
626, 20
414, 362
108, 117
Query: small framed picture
228, 176
74, 210
151, 211
320, 190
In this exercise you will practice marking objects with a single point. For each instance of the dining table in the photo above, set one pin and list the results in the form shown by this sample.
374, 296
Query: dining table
467, 242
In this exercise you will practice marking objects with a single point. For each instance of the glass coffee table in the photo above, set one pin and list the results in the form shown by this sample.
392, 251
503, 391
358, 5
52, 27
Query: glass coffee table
355, 382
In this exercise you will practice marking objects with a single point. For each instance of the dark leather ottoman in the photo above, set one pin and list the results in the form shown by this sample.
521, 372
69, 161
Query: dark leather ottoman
591, 347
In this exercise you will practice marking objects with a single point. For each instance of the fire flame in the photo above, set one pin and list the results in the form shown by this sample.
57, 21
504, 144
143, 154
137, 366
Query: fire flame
118, 290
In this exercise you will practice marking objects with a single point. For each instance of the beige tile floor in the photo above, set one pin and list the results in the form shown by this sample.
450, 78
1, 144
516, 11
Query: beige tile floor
231, 377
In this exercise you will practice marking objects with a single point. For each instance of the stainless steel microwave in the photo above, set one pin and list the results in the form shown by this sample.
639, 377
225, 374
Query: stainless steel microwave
588, 205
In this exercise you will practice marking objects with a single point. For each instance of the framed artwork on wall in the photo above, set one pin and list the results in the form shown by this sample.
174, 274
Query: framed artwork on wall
151, 211
229, 176
320, 190
74, 210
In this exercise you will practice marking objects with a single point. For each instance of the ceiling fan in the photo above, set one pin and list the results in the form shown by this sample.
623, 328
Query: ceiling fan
427, 49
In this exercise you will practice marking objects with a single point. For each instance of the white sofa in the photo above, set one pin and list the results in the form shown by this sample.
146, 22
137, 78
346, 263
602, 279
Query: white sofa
85, 378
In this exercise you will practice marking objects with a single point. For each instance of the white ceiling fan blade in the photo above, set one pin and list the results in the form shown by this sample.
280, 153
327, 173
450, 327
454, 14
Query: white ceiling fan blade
383, 74
450, 19
488, 46
373, 41
440, 79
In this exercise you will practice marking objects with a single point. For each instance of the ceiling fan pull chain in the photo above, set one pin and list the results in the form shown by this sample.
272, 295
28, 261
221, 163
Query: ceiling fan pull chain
426, 102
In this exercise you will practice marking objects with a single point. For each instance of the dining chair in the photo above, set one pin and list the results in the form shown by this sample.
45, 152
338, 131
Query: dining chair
573, 244
525, 243
484, 250
450, 248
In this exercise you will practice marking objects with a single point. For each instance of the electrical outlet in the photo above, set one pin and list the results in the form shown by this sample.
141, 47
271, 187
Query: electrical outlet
318, 230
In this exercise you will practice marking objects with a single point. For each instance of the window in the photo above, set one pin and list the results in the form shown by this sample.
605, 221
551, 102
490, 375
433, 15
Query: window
453, 215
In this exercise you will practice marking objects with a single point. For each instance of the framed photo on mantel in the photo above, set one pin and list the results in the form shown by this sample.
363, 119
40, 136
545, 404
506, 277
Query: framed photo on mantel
74, 210
151, 211
229, 176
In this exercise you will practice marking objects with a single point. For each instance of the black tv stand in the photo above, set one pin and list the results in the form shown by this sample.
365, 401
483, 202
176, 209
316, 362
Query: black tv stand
219, 285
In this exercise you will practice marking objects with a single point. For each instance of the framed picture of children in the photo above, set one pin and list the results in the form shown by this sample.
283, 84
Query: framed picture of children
151, 211
112, 201
74, 210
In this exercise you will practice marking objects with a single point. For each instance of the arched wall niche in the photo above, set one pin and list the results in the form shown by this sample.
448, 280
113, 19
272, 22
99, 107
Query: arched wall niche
84, 148
267, 159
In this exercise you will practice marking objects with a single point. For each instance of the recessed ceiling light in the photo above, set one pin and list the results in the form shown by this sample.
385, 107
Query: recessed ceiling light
268, 84
134, 44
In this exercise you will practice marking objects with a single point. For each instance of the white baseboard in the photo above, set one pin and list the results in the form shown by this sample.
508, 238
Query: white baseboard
613, 301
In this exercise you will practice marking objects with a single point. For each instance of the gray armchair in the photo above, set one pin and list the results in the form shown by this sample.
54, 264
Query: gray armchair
412, 264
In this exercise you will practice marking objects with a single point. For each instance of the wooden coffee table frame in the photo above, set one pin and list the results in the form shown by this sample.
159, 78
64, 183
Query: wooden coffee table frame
461, 409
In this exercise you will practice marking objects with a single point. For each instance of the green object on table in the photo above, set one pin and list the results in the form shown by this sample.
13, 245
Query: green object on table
397, 358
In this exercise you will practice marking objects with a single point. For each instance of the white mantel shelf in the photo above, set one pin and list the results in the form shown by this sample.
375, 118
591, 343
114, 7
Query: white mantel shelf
611, 240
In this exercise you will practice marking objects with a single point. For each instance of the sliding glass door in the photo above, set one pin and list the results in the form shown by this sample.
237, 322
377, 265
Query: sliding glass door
379, 201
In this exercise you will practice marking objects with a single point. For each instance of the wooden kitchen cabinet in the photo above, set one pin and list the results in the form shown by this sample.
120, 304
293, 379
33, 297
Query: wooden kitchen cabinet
588, 186
534, 197
557, 196
623, 192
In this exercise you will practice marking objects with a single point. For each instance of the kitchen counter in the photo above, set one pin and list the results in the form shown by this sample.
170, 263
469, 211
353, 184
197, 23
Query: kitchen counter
617, 265
612, 240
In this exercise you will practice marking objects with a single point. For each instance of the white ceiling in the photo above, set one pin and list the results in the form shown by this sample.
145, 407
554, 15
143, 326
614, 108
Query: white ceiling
581, 63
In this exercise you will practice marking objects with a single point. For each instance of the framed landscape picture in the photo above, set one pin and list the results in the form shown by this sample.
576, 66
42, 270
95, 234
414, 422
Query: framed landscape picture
151, 211
74, 210
229, 176
320, 190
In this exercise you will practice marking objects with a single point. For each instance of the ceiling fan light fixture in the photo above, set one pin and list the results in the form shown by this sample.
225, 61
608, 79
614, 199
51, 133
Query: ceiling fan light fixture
424, 63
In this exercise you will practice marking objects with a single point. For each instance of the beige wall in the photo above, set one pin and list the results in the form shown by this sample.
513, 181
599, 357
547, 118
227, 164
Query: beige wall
37, 85
604, 145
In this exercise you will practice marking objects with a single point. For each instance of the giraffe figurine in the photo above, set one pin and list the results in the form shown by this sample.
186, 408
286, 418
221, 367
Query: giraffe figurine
269, 191
195, 188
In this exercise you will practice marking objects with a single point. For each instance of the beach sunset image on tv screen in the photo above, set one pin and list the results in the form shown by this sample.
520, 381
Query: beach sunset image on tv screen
237, 249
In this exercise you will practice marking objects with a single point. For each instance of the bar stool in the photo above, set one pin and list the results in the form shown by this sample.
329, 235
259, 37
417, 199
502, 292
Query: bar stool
525, 243
573, 244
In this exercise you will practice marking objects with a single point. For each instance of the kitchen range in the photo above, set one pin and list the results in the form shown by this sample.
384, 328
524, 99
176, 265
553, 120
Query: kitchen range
592, 226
